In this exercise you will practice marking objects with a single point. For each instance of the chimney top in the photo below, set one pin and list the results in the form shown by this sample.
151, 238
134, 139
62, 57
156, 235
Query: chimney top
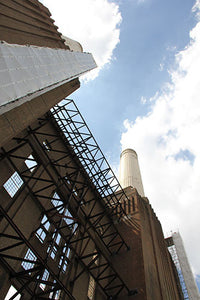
130, 171
127, 151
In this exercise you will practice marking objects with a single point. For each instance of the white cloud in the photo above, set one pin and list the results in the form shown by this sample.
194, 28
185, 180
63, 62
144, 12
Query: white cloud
143, 100
171, 180
196, 9
161, 67
95, 24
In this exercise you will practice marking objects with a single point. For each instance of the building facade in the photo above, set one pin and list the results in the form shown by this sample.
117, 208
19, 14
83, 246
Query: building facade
67, 228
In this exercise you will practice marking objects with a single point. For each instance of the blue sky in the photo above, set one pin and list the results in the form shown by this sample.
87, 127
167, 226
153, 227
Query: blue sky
151, 33
145, 95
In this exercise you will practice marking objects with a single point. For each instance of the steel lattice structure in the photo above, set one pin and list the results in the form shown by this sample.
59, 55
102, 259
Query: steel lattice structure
62, 169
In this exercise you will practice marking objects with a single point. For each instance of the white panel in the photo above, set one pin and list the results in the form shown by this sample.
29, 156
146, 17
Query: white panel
26, 70
190, 283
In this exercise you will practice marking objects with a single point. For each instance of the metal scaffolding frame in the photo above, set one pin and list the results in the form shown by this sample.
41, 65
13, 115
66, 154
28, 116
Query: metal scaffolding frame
186, 277
84, 210
173, 252
83, 143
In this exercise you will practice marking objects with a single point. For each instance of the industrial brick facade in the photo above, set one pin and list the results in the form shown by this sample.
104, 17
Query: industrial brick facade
71, 226
64, 227
148, 265
67, 229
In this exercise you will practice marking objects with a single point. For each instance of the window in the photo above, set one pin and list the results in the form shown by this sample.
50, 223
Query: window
95, 259
53, 249
46, 145
56, 199
31, 163
41, 234
58, 237
13, 184
91, 288
67, 179
63, 265
64, 258
69, 218
55, 295
75, 192
92, 283
53, 252
11, 292
45, 277
42, 231
59, 205
57, 202
31, 257
45, 223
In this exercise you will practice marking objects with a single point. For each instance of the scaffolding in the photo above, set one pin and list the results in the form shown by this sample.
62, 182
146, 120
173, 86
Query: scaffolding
173, 252
179, 256
58, 163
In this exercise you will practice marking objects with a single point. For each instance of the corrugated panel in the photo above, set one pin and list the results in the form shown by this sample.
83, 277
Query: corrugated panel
28, 22
28, 70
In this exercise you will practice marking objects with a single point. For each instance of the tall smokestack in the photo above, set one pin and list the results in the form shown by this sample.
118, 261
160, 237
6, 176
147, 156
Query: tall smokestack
129, 171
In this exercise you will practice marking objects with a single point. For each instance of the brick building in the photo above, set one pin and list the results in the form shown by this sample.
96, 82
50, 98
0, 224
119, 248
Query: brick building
67, 229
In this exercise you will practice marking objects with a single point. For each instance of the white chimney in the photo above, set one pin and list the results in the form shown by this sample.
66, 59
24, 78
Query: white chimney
129, 171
